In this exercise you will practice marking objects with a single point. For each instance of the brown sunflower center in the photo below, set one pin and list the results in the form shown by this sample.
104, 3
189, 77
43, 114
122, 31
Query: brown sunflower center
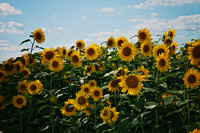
92, 84
89, 69
38, 36
120, 73
127, 51
168, 41
114, 83
8, 67
96, 93
23, 61
24, 72
81, 100
55, 64
49, 55
18, 67
110, 43
146, 48
31, 59
23, 87
173, 47
192, 78
68, 108
86, 89
75, 58
105, 113
196, 52
160, 51
119, 43
132, 81
90, 51
33, 87
162, 62
79, 45
19, 101
142, 35
64, 52
1, 75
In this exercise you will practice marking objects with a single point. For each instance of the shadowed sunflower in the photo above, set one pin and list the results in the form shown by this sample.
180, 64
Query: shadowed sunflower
80, 44
146, 48
192, 78
105, 113
144, 35
75, 58
127, 52
49, 54
9, 68
19, 101
101, 66
25, 72
92, 52
120, 72
92, 83
168, 41
90, 69
114, 115
39, 36
87, 111
18, 65
30, 61
33, 87
110, 42
159, 50
2, 75
68, 109
106, 103
53, 99
144, 71
85, 88
132, 84
162, 63
56, 65
64, 52
194, 52
81, 101
96, 93
171, 33
113, 85
58, 51
120, 40
22, 86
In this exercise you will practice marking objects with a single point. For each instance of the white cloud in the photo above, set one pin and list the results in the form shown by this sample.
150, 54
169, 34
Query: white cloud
46, 31
119, 12
11, 28
83, 17
153, 14
108, 11
60, 28
151, 3
7, 9
55, 15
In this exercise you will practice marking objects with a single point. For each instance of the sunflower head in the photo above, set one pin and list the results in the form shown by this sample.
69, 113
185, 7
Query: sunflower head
113, 85
75, 58
9, 68
168, 41
146, 48
159, 50
85, 88
96, 93
39, 36
80, 44
2, 75
92, 83
18, 65
110, 42
105, 113
92, 52
69, 109
56, 65
144, 71
33, 87
171, 33
53, 99
144, 35
194, 52
81, 101
19, 101
87, 111
90, 69
120, 72
120, 40
22, 86
162, 63
101, 66
114, 116
192, 78
49, 54
64, 52
25, 72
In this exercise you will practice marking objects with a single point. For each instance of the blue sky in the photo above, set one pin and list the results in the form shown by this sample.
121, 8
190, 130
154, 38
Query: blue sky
65, 21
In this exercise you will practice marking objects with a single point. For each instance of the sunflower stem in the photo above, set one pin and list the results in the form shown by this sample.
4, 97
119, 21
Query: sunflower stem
184, 112
30, 113
188, 106
32, 46
141, 123
20, 121
156, 110
52, 113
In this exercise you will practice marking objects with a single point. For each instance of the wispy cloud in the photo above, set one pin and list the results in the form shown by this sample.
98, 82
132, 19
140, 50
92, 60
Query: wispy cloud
46, 31
83, 17
152, 3
11, 28
108, 11
153, 14
60, 28
7, 9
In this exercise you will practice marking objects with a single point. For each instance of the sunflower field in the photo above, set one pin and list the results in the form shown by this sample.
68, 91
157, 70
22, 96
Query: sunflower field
117, 86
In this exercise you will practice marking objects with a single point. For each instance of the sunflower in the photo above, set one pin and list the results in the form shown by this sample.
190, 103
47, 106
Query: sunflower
160, 49
113, 85
18, 65
187, 44
40, 85
114, 115
39, 36
81, 101
64, 52
75, 58
24, 59
171, 33
127, 52
2, 75
106, 103
144, 71
120, 72
25, 72
9, 68
120, 40
195, 131
194, 52
53, 99
132, 84
162, 63
2, 106
68, 109
171, 51
144, 35
22, 86
168, 41
92, 83
49, 54
33, 87
56, 65
92, 52
19, 101
110, 42
191, 78
105, 113
80, 44
31, 61
85, 88
90, 69
87, 111
58, 51
146, 48
96, 93
167, 94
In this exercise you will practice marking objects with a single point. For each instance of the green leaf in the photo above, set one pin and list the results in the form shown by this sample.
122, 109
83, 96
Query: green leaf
149, 89
150, 105
123, 102
163, 79
39, 47
28, 40
25, 49
173, 112
134, 107
179, 103
132, 124
168, 99
42, 107
41, 101
164, 85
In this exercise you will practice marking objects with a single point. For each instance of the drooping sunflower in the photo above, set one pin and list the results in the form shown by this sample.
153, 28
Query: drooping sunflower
144, 35
56, 65
81, 101
92, 52
113, 85
85, 88
174, 45
19, 101
87, 111
92, 83
192, 78
39, 36
80, 44
24, 59
25, 72
160, 49
96, 93
22, 86
90, 69
168, 41
120, 40
110, 42
18, 65
171, 33
146, 48
2, 75
194, 52
120, 72
171, 51
144, 71
162, 63
9, 68
64, 52
114, 115
33, 87
127, 52
105, 113
49, 54
68, 109
132, 84
75, 58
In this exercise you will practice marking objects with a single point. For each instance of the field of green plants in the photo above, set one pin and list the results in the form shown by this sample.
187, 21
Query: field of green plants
117, 86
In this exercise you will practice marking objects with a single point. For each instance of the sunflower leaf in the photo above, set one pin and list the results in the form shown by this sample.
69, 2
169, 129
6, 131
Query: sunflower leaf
39, 47
25, 49
42, 107
27, 40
